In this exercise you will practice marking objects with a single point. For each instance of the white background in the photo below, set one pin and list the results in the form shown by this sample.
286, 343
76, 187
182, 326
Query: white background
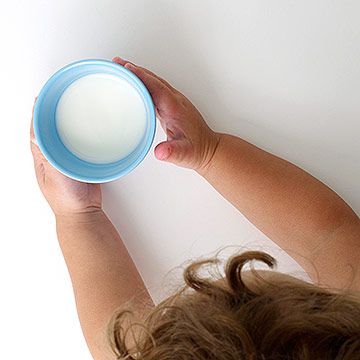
283, 74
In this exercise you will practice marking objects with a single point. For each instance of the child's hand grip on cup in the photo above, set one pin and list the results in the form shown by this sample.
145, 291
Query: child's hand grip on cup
190, 142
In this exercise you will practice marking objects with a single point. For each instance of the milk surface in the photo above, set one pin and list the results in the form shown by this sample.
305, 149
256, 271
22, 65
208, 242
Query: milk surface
101, 118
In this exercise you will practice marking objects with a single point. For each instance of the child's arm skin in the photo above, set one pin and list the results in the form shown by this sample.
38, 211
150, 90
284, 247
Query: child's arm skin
297, 211
102, 273
301, 214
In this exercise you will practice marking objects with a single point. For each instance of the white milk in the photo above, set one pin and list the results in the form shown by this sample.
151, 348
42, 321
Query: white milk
101, 118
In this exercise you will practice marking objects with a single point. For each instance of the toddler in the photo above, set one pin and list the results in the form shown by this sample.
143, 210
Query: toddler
253, 315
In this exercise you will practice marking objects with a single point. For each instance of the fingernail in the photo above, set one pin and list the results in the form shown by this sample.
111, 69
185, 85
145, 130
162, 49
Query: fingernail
130, 66
166, 153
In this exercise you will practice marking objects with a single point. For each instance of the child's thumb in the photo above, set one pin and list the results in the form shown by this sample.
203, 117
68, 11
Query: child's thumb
174, 151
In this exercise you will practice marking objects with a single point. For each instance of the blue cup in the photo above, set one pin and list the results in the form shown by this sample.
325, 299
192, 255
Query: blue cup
48, 138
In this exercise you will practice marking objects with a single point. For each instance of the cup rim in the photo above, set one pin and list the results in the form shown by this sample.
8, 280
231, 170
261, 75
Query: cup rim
147, 98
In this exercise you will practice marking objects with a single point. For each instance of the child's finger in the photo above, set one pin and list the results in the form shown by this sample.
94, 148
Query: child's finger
123, 62
119, 60
32, 135
164, 98
39, 162
163, 94
36, 152
157, 77
174, 151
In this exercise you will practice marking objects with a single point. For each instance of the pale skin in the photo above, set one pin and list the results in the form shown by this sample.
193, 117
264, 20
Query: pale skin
298, 212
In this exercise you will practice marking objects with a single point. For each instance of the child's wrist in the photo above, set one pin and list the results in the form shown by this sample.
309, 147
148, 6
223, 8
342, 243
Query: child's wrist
88, 216
209, 156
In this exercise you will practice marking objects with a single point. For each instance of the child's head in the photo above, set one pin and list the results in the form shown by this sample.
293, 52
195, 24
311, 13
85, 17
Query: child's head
243, 317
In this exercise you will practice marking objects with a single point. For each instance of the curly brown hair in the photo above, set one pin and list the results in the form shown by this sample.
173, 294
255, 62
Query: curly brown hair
209, 319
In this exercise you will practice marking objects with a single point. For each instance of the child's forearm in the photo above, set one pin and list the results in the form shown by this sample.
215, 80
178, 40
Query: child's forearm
293, 208
102, 273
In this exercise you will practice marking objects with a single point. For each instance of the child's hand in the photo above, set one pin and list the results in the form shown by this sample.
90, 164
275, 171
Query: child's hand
65, 196
190, 142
